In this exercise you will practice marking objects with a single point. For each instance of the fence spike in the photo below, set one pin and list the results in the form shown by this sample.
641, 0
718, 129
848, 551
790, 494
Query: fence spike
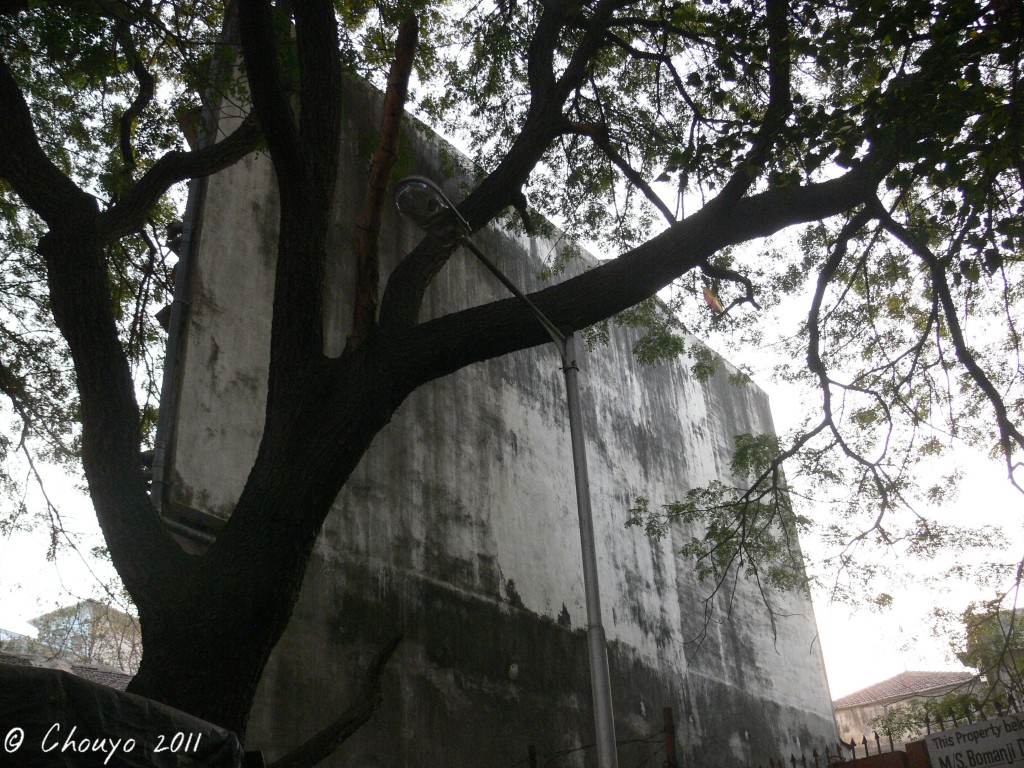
828, 755
803, 760
967, 713
878, 743
927, 724
814, 754
671, 761
792, 759
1013, 703
952, 716
892, 748
864, 743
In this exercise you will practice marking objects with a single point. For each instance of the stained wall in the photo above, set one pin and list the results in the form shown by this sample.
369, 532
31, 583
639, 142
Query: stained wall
459, 527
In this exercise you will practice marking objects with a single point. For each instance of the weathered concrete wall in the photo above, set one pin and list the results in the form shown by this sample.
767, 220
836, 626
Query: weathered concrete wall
459, 526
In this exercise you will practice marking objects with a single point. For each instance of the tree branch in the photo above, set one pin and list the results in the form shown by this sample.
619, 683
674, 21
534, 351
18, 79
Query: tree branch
129, 214
665, 60
364, 313
147, 84
442, 346
267, 88
334, 735
35, 178
724, 273
316, 39
780, 104
1010, 437
817, 365
403, 295
599, 135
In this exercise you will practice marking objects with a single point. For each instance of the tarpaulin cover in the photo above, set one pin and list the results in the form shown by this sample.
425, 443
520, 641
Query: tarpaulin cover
52, 719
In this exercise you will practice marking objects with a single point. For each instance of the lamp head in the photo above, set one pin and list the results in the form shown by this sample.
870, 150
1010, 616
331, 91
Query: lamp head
423, 203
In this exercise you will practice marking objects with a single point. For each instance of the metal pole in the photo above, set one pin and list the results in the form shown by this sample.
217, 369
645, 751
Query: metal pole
600, 681
556, 335
425, 204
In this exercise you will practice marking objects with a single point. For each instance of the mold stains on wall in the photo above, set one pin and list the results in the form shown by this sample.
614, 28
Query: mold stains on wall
459, 530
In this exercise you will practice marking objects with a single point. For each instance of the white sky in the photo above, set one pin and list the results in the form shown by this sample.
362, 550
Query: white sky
862, 647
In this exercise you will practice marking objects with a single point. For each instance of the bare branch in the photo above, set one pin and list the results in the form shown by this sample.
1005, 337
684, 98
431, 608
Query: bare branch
361, 710
724, 273
1010, 437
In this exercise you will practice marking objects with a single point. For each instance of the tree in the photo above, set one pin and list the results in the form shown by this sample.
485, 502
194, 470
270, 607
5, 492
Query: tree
910, 721
894, 130
89, 631
990, 641
992, 644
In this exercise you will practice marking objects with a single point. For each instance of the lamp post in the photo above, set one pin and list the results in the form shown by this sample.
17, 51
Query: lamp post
423, 203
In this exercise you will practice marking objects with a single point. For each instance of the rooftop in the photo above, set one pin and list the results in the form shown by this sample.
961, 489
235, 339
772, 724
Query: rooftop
97, 673
904, 686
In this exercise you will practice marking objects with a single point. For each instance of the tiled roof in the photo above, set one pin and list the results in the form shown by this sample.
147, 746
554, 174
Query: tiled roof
904, 686
97, 673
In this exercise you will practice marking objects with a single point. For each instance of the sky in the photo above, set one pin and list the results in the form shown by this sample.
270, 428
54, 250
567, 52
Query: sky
863, 646
30, 584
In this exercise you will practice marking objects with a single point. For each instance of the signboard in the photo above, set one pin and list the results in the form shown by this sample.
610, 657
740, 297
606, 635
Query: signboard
989, 743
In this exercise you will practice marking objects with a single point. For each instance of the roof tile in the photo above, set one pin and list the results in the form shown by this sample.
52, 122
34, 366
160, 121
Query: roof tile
97, 673
903, 686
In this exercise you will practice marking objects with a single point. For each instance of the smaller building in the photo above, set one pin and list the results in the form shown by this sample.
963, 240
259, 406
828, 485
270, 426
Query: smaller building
855, 712
15, 642
88, 632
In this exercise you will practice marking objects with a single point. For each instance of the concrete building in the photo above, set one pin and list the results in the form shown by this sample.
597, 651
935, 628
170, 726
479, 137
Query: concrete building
459, 527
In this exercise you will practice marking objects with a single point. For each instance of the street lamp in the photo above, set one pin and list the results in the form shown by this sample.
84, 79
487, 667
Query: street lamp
423, 203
